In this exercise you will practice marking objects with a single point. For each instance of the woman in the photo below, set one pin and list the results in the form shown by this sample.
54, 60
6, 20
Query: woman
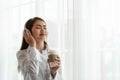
33, 55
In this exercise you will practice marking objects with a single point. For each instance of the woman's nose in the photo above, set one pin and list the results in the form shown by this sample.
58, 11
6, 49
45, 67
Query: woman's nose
42, 29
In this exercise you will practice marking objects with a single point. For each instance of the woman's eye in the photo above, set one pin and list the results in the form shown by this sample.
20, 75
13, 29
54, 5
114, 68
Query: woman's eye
45, 28
38, 28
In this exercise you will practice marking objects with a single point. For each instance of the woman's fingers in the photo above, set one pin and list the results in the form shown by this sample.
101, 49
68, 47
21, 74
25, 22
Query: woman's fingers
58, 64
25, 35
29, 38
29, 34
58, 61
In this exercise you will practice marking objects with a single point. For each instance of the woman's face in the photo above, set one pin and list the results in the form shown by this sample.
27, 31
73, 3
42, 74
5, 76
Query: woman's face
39, 30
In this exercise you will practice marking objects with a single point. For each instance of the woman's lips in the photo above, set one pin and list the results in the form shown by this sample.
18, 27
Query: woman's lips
42, 34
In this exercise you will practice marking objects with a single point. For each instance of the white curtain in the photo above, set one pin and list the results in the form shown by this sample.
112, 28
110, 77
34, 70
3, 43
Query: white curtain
96, 32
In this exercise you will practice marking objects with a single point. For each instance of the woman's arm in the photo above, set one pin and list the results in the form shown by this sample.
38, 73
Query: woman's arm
28, 61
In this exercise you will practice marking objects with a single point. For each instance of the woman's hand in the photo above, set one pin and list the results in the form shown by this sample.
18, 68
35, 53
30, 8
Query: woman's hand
54, 69
29, 38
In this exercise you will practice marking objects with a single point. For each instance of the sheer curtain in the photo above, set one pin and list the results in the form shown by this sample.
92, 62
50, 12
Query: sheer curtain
13, 16
96, 40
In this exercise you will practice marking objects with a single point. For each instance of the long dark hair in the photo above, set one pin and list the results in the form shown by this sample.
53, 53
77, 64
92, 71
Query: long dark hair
29, 25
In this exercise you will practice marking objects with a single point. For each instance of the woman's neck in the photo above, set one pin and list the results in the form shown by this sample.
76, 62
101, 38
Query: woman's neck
40, 46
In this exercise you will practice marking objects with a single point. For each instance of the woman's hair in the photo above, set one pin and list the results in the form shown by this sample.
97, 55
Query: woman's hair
29, 24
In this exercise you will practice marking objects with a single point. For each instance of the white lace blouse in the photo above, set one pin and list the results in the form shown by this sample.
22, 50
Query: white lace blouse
33, 65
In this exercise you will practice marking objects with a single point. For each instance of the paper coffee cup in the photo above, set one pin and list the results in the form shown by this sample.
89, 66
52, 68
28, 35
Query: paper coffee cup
52, 58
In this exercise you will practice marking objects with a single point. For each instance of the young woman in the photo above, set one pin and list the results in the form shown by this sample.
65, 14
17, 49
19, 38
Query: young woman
33, 55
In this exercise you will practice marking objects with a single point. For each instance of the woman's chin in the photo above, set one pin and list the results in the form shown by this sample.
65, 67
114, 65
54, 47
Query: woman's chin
43, 38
